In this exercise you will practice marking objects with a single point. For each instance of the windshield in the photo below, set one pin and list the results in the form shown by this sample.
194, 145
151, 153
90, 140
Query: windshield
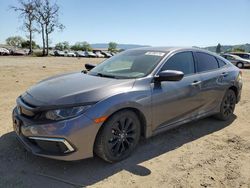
129, 64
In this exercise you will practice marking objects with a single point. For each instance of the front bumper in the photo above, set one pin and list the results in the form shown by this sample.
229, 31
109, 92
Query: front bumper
68, 140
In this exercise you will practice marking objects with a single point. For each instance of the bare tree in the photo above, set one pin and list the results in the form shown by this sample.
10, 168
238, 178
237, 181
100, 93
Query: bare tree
40, 17
27, 12
47, 17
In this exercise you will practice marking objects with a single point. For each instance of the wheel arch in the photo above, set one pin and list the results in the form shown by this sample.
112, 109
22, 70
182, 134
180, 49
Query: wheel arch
140, 115
235, 89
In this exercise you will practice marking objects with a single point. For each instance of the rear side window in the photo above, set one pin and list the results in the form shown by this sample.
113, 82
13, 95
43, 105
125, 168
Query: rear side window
182, 61
221, 63
245, 56
206, 62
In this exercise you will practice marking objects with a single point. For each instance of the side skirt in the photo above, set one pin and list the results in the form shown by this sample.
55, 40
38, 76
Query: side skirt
169, 126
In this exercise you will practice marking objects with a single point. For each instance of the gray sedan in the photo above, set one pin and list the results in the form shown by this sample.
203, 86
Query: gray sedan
137, 93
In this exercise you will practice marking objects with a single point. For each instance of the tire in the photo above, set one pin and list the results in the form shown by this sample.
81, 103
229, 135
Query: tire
227, 106
118, 136
240, 65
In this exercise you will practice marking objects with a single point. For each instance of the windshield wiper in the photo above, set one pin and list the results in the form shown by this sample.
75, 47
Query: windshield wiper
105, 75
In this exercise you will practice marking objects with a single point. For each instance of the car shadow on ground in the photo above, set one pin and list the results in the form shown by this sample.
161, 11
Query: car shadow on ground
20, 168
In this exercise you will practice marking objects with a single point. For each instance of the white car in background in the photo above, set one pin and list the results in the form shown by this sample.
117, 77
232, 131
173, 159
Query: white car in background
69, 54
58, 53
99, 54
81, 54
90, 54
237, 60
106, 54
4, 51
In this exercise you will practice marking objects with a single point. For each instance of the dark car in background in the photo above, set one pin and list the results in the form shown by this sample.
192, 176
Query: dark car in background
137, 93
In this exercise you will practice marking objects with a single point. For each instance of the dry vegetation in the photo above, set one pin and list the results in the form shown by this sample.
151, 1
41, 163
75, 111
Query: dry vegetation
206, 153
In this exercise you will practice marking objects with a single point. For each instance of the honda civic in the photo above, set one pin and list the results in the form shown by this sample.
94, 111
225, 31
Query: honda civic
138, 93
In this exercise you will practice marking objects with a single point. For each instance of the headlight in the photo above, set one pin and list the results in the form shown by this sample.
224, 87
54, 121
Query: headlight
60, 114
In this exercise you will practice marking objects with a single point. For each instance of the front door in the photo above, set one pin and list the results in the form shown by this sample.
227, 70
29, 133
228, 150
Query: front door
174, 101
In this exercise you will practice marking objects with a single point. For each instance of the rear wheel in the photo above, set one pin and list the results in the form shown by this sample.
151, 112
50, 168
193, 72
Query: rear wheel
227, 106
240, 65
118, 137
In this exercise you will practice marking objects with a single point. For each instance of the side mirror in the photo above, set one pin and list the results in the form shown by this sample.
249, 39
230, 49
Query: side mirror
169, 75
89, 66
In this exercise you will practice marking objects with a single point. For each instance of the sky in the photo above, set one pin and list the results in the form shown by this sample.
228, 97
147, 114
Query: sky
146, 22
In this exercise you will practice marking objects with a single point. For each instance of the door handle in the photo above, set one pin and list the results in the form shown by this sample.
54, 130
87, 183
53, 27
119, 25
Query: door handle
224, 74
196, 83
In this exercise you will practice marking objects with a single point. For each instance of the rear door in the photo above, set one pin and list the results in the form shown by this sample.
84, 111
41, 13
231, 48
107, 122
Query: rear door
174, 101
213, 75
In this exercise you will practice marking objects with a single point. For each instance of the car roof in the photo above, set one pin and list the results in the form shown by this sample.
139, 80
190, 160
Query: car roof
171, 49
176, 49
239, 52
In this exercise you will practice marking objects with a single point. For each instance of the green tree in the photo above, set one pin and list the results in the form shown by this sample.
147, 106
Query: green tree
15, 41
112, 47
26, 44
62, 46
77, 47
218, 49
238, 50
84, 46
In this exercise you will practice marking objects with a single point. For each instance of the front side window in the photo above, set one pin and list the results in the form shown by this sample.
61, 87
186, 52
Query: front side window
228, 57
129, 64
206, 62
182, 61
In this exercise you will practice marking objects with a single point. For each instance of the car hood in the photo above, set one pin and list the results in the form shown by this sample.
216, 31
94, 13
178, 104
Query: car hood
73, 89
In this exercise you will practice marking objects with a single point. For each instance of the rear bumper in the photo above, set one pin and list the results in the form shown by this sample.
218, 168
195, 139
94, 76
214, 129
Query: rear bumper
68, 140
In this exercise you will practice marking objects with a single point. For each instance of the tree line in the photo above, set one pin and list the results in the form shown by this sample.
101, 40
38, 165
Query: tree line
19, 42
83, 46
40, 16
218, 49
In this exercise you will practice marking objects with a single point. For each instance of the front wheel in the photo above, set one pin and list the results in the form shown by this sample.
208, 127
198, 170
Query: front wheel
118, 136
227, 106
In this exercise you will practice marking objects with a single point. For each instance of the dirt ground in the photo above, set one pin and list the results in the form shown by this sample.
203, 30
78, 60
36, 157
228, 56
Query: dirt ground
205, 153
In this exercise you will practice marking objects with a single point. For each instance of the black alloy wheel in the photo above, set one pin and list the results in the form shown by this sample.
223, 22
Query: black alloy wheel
227, 105
118, 137
122, 136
